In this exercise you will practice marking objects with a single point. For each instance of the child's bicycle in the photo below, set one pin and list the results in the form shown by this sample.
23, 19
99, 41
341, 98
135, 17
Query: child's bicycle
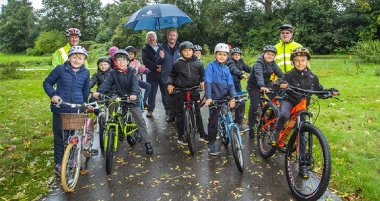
190, 126
119, 125
101, 121
228, 130
307, 156
78, 132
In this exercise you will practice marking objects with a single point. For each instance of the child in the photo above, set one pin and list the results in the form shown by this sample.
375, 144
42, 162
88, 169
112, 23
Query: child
104, 67
259, 82
219, 85
302, 77
111, 53
237, 68
198, 52
187, 72
140, 69
66, 82
123, 79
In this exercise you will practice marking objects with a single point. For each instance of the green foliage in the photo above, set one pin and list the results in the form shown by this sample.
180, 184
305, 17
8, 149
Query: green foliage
87, 44
206, 49
48, 42
96, 51
124, 37
10, 73
368, 51
377, 71
16, 26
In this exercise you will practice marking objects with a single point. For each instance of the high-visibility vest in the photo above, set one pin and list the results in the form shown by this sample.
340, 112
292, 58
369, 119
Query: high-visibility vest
284, 51
61, 55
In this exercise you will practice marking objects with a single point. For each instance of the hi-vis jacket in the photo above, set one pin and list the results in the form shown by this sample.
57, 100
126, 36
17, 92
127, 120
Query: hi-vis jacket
61, 55
284, 51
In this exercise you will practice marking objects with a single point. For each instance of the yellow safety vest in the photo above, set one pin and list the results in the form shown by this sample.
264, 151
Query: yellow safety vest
61, 55
284, 51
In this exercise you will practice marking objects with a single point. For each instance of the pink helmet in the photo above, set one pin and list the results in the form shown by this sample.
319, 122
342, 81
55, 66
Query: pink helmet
73, 31
112, 51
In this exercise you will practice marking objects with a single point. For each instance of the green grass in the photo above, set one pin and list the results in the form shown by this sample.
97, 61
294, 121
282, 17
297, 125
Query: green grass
350, 124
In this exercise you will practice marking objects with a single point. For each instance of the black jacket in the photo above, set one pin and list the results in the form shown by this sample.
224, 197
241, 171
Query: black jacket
186, 73
99, 77
301, 79
237, 68
261, 73
148, 59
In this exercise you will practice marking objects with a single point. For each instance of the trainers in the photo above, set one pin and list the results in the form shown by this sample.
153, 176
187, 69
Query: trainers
57, 170
304, 172
203, 139
182, 142
148, 148
146, 106
212, 149
149, 115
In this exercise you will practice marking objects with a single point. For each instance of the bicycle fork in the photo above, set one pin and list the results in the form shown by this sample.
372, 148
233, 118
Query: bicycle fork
116, 137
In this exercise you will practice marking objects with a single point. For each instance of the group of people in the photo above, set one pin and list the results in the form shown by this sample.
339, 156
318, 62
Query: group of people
174, 65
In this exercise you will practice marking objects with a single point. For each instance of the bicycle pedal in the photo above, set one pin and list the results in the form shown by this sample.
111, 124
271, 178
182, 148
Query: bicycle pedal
94, 152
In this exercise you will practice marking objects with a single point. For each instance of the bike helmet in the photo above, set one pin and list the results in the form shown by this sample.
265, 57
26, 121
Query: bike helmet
236, 50
222, 47
112, 51
130, 49
286, 27
186, 44
119, 53
77, 50
198, 48
300, 51
73, 31
270, 48
104, 59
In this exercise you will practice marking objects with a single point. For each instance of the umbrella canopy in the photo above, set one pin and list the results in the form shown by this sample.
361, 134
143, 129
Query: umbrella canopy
157, 17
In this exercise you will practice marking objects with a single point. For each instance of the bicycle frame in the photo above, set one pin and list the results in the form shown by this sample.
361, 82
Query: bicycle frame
227, 118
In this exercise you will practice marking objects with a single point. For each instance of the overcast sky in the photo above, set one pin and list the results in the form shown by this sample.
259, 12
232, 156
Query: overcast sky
38, 3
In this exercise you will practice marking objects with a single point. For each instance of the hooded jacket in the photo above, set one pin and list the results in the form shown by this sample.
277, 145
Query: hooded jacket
218, 81
71, 86
261, 73
186, 73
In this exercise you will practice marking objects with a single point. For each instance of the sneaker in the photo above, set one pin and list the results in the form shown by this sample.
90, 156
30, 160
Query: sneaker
182, 142
203, 139
148, 148
146, 106
149, 115
304, 172
57, 170
212, 149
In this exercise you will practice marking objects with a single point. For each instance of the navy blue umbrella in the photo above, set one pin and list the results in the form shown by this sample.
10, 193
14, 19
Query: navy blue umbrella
157, 17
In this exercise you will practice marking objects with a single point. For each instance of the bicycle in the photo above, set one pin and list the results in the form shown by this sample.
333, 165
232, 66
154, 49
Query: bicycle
190, 125
227, 129
101, 121
118, 122
80, 131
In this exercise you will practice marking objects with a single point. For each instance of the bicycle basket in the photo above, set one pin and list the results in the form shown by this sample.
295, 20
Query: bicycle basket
72, 121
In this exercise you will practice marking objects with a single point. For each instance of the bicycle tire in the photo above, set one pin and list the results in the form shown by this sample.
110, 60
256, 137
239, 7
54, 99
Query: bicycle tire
266, 130
110, 150
237, 148
190, 131
319, 170
70, 167
102, 127
89, 138
222, 132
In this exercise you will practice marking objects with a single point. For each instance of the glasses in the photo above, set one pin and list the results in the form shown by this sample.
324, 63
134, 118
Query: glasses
121, 59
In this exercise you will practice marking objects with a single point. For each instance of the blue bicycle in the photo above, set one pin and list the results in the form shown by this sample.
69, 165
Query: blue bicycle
228, 130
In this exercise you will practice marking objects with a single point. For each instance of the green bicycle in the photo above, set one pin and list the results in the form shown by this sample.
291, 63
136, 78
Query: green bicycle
120, 124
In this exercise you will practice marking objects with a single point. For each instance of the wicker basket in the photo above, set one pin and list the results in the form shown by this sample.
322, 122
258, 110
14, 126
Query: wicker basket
72, 121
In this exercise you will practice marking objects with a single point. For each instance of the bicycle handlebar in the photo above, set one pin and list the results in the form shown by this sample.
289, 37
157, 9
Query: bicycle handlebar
324, 94
178, 90
117, 99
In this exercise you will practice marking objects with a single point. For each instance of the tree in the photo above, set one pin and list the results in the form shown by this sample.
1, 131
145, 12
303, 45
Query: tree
63, 14
17, 28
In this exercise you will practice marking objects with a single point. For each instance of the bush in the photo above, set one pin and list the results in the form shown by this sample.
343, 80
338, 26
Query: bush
98, 50
10, 72
368, 51
48, 42
87, 44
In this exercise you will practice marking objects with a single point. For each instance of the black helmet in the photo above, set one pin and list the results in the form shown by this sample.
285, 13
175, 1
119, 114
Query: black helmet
105, 59
130, 49
121, 52
286, 27
186, 44
236, 50
270, 48
198, 48
300, 51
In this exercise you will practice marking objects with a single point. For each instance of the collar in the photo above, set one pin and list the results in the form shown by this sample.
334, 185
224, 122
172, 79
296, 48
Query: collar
124, 71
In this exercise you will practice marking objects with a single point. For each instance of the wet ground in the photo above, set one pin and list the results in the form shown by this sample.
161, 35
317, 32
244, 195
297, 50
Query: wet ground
171, 173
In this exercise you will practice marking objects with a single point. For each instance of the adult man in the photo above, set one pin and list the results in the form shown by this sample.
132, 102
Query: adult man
153, 78
60, 55
168, 54
285, 47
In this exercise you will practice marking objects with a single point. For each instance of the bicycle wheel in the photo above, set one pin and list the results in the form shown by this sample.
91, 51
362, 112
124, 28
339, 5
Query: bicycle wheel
237, 148
266, 130
88, 139
102, 127
70, 167
110, 149
190, 130
222, 132
315, 156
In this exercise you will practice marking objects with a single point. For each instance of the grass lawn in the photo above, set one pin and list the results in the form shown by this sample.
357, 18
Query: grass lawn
351, 125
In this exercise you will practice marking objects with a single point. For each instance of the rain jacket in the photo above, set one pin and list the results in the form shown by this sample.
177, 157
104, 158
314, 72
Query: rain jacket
186, 73
237, 69
61, 55
148, 59
71, 86
168, 61
261, 73
218, 81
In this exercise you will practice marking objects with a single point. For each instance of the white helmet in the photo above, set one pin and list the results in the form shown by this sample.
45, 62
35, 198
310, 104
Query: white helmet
222, 47
78, 50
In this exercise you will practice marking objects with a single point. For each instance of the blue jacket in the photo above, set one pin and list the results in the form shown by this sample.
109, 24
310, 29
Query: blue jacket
218, 81
71, 86
168, 61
